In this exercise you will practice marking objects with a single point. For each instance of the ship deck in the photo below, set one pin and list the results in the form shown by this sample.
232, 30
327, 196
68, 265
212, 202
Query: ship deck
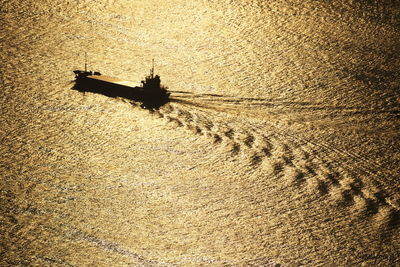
113, 80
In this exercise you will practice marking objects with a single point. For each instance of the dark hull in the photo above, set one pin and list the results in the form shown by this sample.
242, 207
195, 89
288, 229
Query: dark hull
110, 89
150, 98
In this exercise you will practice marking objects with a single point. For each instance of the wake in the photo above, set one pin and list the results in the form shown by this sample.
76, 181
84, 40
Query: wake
350, 180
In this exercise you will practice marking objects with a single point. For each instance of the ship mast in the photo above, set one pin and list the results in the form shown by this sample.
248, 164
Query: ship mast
85, 61
152, 70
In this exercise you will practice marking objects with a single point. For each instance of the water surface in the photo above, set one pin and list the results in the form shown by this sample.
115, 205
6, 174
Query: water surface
280, 144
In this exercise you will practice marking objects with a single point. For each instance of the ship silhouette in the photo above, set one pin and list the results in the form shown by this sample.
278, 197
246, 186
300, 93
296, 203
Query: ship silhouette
149, 92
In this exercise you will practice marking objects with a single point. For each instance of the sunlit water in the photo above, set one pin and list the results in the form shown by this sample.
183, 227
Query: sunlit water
280, 145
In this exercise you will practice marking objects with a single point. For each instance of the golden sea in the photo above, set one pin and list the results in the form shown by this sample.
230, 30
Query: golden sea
280, 146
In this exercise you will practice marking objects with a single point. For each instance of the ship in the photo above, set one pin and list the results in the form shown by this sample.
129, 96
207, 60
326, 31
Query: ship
149, 92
